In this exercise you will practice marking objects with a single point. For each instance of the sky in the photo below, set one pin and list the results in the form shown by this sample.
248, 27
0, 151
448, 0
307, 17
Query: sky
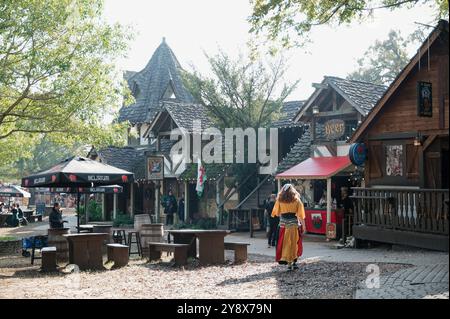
197, 26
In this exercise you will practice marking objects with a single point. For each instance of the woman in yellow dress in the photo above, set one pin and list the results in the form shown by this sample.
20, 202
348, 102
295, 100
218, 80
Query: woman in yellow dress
291, 211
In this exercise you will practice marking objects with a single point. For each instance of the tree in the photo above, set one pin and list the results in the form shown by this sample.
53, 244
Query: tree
57, 74
384, 60
243, 93
42, 155
290, 21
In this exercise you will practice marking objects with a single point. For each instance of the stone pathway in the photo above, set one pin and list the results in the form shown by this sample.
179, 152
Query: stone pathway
421, 282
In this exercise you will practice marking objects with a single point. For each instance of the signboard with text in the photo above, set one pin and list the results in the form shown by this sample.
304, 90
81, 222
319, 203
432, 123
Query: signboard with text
334, 129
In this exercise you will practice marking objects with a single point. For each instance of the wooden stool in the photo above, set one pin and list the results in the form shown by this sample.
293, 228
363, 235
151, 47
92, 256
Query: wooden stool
240, 251
120, 237
48, 259
137, 242
118, 253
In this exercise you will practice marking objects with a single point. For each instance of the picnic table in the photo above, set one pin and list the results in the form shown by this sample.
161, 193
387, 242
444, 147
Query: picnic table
85, 250
210, 241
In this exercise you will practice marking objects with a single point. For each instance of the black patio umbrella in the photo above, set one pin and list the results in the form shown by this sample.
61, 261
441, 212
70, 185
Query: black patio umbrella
78, 172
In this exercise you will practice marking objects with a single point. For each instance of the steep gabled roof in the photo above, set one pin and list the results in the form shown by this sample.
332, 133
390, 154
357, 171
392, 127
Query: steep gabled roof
288, 112
299, 152
184, 115
361, 95
149, 85
441, 28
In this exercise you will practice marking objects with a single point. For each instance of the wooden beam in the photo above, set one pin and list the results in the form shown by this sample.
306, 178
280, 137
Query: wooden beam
336, 113
430, 139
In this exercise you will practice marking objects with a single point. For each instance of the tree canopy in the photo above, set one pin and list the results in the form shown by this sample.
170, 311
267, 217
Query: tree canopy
57, 74
240, 93
384, 60
290, 21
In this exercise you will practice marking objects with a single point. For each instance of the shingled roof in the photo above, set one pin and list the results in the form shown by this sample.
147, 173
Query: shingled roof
184, 115
213, 171
299, 152
288, 112
150, 85
362, 95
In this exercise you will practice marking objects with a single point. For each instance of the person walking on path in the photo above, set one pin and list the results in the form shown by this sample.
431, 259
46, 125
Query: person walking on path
291, 211
170, 207
181, 208
272, 222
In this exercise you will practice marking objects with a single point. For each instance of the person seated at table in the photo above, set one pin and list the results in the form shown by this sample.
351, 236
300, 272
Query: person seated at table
2, 207
55, 217
13, 221
23, 221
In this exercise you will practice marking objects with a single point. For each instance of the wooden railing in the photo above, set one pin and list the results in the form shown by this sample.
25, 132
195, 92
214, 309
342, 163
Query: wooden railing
246, 219
419, 210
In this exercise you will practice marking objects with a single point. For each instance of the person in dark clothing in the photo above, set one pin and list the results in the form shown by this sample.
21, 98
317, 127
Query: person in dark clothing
272, 235
170, 207
55, 217
181, 208
14, 219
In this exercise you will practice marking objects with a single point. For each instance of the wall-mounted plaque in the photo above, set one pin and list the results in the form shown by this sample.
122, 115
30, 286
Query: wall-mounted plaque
155, 167
424, 99
334, 129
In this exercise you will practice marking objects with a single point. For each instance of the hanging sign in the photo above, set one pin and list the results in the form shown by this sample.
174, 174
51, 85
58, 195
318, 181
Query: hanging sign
334, 129
358, 154
424, 99
155, 168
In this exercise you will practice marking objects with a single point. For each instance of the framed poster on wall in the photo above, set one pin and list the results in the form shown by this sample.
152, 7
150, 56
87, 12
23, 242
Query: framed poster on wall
155, 168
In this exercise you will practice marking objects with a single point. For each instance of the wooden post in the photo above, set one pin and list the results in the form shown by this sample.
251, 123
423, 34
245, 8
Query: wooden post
186, 201
328, 200
115, 206
103, 207
157, 201
279, 184
86, 211
132, 200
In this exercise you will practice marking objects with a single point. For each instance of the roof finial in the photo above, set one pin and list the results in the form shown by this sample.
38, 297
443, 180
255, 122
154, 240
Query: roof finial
164, 40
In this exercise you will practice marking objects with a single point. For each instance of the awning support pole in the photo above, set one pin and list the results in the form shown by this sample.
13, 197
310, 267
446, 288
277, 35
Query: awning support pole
279, 184
328, 200
115, 206
78, 211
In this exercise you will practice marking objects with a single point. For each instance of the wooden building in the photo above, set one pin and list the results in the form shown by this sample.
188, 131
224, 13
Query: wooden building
319, 162
405, 200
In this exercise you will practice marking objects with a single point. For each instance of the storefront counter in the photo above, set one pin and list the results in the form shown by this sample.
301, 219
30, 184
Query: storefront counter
316, 219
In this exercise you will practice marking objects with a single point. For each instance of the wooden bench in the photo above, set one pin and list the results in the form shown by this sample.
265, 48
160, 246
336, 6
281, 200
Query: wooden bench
48, 259
180, 251
240, 251
118, 253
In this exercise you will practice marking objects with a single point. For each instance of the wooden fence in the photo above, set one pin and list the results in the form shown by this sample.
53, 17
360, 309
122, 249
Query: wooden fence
418, 210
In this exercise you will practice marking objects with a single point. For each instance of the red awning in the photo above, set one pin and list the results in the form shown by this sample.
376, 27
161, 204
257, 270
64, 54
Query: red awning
317, 168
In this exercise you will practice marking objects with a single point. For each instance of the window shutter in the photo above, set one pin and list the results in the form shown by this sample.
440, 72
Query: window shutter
412, 162
375, 161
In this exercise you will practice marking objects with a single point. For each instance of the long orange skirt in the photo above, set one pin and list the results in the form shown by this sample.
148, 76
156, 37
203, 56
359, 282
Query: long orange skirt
289, 246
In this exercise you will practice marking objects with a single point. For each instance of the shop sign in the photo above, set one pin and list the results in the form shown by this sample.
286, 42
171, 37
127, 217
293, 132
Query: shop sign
358, 154
155, 168
424, 99
334, 129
